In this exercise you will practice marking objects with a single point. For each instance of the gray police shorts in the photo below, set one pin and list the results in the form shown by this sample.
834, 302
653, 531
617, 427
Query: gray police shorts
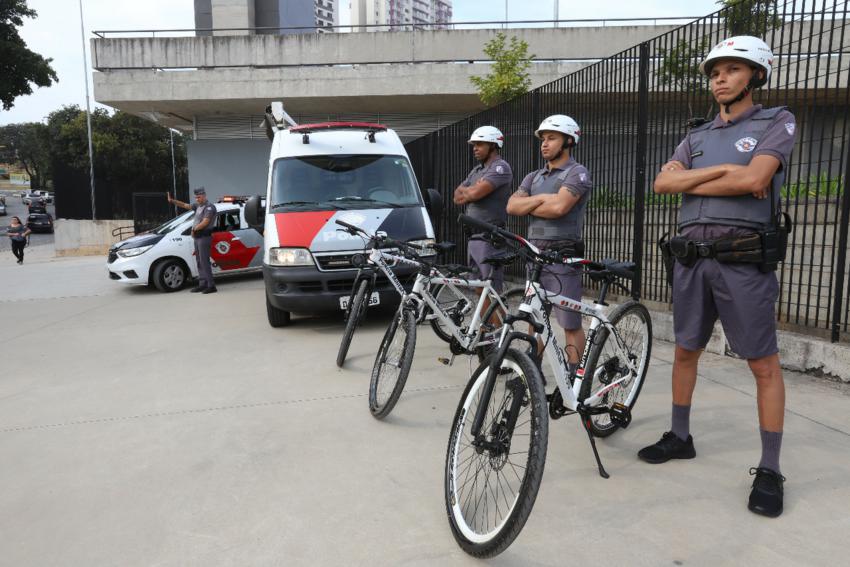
739, 294
477, 252
564, 280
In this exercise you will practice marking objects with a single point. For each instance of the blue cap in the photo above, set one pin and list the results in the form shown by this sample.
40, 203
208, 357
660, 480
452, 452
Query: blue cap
200, 191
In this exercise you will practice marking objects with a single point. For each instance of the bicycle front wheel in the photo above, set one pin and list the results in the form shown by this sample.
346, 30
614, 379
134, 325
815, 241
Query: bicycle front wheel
392, 365
491, 483
355, 314
634, 327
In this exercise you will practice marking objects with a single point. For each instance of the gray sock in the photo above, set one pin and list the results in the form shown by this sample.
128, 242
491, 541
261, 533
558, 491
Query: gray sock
681, 421
771, 443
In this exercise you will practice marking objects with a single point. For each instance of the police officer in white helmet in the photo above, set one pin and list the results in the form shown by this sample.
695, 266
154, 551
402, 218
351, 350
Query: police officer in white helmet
485, 192
729, 173
554, 198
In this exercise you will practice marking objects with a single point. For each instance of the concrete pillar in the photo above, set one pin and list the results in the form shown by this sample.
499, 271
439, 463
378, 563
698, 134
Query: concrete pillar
233, 14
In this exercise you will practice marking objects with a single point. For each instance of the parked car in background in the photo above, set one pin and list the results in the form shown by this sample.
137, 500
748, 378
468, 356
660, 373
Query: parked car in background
3, 208
40, 222
37, 206
28, 198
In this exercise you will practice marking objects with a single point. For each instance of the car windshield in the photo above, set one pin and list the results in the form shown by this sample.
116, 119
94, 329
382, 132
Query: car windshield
343, 182
173, 223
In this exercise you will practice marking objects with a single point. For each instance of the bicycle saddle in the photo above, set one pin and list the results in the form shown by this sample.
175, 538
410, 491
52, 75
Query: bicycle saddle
454, 269
622, 269
443, 247
500, 259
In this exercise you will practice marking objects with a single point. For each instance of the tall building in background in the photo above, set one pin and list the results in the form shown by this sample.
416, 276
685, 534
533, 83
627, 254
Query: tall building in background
240, 15
405, 13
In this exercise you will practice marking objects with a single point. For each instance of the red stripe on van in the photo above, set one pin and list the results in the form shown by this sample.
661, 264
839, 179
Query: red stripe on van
299, 229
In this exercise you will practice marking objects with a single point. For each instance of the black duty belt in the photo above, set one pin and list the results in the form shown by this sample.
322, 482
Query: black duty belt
738, 250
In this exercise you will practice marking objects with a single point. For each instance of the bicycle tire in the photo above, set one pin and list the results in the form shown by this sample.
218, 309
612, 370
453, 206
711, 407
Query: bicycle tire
356, 310
512, 299
626, 395
388, 358
532, 431
448, 303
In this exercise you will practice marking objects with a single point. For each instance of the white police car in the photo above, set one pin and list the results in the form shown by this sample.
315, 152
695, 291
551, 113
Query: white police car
165, 256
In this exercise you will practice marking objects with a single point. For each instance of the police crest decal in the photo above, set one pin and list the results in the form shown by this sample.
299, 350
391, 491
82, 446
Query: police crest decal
222, 247
746, 145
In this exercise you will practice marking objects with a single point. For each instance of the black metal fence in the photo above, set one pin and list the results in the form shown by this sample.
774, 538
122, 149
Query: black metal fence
633, 109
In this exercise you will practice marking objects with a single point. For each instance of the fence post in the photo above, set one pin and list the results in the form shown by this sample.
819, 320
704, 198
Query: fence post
841, 257
640, 167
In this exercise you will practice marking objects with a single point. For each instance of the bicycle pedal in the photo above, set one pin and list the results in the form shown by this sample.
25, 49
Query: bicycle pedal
620, 414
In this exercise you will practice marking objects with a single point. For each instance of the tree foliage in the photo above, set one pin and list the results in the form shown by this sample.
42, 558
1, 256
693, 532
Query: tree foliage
19, 66
28, 144
680, 64
508, 77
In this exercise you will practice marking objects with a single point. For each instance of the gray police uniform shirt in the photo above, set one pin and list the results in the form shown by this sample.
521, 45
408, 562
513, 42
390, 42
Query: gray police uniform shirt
758, 131
491, 208
576, 179
206, 211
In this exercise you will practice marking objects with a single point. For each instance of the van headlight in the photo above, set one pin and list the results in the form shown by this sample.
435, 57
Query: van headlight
290, 257
425, 246
130, 252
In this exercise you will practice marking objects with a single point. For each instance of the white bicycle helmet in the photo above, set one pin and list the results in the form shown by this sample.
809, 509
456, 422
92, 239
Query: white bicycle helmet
489, 134
745, 48
560, 123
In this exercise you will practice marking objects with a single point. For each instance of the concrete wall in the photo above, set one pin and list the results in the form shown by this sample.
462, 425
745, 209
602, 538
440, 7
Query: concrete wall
233, 14
350, 48
203, 16
85, 237
229, 167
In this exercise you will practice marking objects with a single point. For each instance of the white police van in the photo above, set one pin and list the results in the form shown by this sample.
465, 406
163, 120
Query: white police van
165, 256
318, 173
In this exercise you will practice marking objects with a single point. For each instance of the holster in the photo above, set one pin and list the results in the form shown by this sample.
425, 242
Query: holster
666, 256
774, 243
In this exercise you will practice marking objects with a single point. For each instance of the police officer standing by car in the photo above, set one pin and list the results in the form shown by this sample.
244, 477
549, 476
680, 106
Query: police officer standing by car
202, 236
485, 192
555, 199
729, 172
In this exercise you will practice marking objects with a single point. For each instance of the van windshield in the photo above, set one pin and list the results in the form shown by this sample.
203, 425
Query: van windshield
172, 224
343, 182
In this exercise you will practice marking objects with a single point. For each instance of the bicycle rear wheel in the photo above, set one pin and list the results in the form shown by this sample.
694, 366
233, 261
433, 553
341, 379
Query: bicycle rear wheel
454, 303
490, 491
634, 326
356, 310
392, 364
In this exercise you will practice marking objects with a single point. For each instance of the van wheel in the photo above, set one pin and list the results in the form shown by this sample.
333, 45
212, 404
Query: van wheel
169, 276
277, 317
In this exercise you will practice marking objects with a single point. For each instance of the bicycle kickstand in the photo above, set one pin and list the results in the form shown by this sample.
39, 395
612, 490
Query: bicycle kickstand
585, 421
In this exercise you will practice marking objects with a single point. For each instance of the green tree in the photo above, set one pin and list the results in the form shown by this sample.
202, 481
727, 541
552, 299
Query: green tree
28, 144
19, 67
680, 64
508, 77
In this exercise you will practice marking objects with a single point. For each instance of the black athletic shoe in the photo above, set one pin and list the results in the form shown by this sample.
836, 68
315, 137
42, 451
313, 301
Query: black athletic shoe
766, 495
197, 289
668, 447
210, 290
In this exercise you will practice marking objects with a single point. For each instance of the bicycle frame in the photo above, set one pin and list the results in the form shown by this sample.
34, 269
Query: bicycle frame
422, 296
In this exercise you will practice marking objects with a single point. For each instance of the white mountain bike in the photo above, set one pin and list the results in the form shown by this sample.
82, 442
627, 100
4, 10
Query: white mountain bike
498, 440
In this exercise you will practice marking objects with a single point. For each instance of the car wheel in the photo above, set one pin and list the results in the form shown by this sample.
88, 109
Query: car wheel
169, 276
277, 317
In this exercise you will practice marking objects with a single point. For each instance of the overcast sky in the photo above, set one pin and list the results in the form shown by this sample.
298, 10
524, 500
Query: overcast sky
55, 33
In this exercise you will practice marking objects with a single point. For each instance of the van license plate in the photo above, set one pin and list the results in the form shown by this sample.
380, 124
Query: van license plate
374, 299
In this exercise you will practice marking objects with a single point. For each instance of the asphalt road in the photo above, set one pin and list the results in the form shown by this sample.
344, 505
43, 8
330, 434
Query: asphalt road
140, 428
14, 207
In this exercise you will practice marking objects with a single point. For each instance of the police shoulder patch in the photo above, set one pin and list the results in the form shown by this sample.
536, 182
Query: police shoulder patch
790, 127
500, 169
746, 145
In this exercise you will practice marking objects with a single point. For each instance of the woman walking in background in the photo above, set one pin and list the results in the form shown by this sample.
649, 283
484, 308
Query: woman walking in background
17, 233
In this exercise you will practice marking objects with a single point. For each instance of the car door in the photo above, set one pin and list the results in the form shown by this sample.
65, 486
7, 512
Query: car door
232, 248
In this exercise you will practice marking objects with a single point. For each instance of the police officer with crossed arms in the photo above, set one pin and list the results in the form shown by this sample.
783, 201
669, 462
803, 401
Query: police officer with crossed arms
485, 192
729, 172
555, 198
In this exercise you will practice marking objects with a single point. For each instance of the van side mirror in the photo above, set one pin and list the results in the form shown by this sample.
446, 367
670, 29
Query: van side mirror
255, 213
434, 205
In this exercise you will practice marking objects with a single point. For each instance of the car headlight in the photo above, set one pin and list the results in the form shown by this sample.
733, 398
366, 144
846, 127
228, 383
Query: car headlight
426, 246
130, 252
290, 257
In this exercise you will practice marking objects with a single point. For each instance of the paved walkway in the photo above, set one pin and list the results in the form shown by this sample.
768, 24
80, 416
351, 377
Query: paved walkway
139, 428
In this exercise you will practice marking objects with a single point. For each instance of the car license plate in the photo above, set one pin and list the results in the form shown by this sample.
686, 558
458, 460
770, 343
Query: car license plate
374, 299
